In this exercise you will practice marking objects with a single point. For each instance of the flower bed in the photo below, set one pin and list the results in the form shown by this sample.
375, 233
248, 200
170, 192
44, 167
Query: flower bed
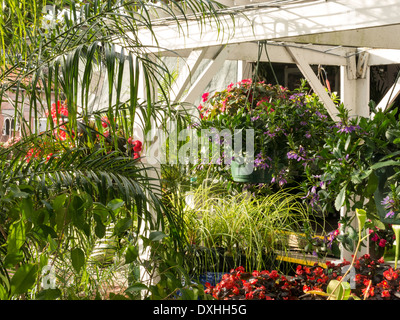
374, 280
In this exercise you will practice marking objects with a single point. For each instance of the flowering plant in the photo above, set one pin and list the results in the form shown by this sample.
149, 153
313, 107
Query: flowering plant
381, 237
286, 124
95, 134
374, 280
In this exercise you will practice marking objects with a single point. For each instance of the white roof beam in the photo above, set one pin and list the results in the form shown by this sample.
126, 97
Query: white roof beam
390, 96
383, 56
248, 51
318, 19
185, 75
204, 79
302, 63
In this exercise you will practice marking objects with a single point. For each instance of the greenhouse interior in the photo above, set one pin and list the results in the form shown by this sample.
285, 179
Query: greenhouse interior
199, 150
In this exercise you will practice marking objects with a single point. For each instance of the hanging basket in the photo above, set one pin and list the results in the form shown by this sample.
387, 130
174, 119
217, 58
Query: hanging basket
241, 173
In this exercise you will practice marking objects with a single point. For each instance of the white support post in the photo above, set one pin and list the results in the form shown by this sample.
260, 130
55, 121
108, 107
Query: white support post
298, 57
354, 94
204, 79
185, 75
354, 87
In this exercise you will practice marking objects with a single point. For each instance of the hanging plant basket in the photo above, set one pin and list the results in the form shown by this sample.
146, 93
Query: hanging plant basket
240, 173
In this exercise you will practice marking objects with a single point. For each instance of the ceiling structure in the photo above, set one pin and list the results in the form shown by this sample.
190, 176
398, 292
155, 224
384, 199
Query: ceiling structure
352, 34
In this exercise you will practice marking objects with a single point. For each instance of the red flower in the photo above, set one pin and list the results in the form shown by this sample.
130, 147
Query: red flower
256, 273
369, 293
137, 146
274, 274
299, 270
385, 294
250, 295
105, 122
390, 274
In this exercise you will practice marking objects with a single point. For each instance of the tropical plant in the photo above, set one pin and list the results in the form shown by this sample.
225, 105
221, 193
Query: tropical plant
82, 54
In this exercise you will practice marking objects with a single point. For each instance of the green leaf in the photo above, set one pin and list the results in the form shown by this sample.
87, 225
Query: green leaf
385, 164
340, 198
372, 184
136, 287
115, 205
351, 232
13, 258
78, 259
48, 294
23, 279
3, 293
131, 254
27, 209
100, 229
361, 217
16, 237
122, 225
157, 235
339, 290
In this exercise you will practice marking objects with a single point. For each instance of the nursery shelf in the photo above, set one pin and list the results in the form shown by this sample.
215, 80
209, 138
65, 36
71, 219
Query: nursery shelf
301, 258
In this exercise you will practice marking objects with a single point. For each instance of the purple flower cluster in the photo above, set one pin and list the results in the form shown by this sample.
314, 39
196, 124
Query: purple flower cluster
262, 162
390, 205
280, 178
313, 196
297, 98
347, 128
299, 156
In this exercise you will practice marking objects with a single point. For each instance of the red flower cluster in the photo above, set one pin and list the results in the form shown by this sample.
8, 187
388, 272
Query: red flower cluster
136, 146
374, 281
57, 112
266, 285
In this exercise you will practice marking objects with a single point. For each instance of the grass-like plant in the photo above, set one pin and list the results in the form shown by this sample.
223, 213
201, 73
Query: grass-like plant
240, 226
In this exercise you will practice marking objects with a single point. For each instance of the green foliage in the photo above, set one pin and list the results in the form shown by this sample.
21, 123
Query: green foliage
75, 187
222, 226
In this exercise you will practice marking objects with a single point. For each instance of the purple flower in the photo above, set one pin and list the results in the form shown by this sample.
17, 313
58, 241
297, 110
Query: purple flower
390, 214
347, 129
387, 202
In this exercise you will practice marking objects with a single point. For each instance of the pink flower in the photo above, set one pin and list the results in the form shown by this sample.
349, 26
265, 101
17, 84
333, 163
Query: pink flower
205, 96
382, 243
105, 122
375, 238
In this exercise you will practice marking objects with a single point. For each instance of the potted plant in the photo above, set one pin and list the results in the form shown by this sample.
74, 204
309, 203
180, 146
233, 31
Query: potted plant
285, 125
227, 230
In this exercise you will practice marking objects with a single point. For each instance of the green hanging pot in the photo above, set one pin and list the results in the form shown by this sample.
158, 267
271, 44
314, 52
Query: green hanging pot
242, 173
